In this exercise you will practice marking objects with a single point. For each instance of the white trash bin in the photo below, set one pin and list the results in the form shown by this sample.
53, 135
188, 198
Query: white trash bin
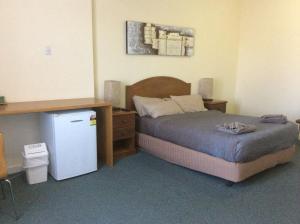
35, 162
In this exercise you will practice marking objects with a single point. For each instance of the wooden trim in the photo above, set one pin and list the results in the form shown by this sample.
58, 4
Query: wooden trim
159, 86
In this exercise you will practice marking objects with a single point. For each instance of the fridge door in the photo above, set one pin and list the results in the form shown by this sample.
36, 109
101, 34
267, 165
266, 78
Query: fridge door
75, 143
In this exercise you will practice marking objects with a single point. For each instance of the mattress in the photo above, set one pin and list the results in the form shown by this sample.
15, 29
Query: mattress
197, 131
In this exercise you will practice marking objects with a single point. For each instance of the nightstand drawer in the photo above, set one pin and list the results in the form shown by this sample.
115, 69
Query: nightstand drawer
220, 107
123, 121
123, 133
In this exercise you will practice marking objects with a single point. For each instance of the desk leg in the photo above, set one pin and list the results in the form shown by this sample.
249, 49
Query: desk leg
104, 135
3, 167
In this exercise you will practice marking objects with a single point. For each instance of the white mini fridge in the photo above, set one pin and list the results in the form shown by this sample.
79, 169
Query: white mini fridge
72, 142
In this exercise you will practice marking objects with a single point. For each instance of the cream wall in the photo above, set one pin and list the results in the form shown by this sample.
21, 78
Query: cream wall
27, 73
269, 69
216, 44
27, 29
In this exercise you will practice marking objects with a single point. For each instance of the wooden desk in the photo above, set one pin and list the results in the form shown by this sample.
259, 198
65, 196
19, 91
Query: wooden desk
102, 108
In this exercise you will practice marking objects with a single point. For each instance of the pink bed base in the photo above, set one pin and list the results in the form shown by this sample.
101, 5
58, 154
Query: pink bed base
205, 163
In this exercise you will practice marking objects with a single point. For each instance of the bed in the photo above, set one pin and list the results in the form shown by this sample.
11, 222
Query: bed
191, 140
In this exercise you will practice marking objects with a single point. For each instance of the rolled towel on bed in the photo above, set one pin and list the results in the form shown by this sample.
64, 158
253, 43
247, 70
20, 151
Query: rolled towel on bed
236, 128
274, 118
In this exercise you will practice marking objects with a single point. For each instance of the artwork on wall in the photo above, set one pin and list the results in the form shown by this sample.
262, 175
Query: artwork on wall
153, 39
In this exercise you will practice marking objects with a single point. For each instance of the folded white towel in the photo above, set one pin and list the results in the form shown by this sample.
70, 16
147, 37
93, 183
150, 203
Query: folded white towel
236, 128
274, 118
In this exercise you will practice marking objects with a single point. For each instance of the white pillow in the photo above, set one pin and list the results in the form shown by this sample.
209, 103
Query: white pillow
190, 103
140, 103
163, 108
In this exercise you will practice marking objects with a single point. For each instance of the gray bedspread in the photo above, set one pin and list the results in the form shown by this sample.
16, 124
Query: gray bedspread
198, 131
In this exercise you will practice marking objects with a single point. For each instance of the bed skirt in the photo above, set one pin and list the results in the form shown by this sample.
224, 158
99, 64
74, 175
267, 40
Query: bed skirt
205, 163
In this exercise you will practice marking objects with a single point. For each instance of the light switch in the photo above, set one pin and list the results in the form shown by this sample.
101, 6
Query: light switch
48, 50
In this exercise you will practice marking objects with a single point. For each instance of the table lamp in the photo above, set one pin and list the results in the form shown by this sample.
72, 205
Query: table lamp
206, 86
112, 92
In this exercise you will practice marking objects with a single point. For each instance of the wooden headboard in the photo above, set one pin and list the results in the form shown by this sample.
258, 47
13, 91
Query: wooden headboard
159, 86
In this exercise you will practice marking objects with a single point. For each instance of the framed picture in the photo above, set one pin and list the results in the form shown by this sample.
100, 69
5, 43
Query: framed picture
154, 39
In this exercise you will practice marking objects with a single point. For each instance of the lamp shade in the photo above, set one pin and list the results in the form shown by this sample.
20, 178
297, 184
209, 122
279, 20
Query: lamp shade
206, 87
112, 92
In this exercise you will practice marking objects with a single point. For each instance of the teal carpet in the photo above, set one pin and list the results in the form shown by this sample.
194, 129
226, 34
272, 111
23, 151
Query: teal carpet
143, 189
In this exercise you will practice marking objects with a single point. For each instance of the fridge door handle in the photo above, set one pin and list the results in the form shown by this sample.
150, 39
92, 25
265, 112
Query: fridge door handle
76, 121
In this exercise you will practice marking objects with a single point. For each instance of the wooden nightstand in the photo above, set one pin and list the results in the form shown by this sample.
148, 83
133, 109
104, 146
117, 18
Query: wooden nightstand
219, 105
123, 134
298, 122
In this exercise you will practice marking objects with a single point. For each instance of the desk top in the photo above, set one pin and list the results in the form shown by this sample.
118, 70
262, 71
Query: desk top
51, 105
